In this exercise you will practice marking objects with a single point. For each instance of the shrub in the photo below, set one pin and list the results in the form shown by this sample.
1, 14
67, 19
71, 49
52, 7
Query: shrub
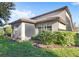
61, 38
1, 32
8, 30
64, 38
45, 37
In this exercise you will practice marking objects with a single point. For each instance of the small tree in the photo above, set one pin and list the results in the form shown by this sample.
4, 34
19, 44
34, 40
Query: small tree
5, 10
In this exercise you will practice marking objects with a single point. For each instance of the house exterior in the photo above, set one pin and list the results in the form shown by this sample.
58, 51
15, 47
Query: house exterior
57, 20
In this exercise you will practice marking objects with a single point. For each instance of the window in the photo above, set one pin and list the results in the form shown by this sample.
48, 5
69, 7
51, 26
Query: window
45, 27
49, 27
40, 28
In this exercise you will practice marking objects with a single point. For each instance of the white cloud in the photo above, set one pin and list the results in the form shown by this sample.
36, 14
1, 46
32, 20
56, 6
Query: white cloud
16, 14
75, 3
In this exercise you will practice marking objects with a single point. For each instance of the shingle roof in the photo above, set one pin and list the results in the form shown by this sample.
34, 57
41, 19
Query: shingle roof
50, 19
39, 21
27, 20
60, 9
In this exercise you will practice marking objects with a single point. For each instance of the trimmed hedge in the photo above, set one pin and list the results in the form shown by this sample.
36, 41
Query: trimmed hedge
62, 38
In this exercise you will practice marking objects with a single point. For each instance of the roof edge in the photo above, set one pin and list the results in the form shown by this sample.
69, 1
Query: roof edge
60, 9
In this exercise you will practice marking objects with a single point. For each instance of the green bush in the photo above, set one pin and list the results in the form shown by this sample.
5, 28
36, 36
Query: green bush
8, 30
45, 37
64, 38
1, 32
61, 38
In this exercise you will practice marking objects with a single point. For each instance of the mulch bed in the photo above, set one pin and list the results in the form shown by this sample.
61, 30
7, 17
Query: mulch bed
47, 46
38, 45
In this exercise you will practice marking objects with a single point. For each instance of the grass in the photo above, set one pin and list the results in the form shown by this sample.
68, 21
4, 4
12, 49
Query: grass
66, 52
10, 48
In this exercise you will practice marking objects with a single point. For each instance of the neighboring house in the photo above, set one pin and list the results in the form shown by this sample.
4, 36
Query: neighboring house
57, 20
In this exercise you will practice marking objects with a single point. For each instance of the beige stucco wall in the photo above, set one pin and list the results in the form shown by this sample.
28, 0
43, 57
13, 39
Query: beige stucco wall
36, 31
23, 31
62, 26
55, 26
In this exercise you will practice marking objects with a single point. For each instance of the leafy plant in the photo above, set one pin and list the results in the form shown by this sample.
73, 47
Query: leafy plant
61, 38
46, 37
8, 30
1, 32
64, 38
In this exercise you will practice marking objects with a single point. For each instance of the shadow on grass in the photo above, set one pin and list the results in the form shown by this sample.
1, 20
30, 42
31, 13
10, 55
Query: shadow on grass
51, 54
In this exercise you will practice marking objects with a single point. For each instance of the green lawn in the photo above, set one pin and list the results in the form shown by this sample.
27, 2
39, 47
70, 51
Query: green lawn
66, 52
26, 49
10, 48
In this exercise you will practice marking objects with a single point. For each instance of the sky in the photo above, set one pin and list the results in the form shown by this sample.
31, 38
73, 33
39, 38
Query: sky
31, 9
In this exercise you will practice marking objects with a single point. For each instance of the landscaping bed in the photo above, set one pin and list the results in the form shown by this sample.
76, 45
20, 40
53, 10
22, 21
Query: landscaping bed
47, 46
52, 46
